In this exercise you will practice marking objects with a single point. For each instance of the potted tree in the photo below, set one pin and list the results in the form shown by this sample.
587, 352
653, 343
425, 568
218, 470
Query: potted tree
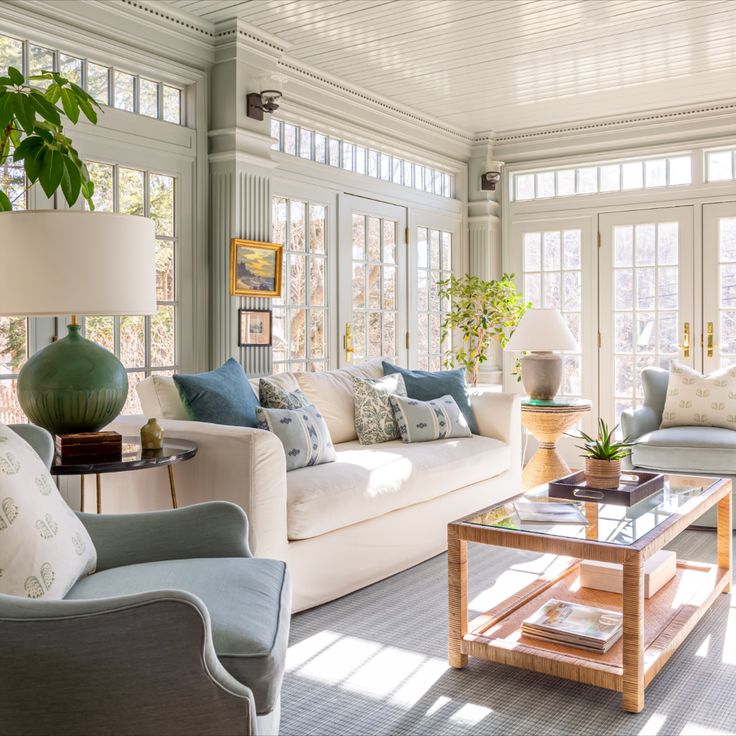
483, 312
603, 457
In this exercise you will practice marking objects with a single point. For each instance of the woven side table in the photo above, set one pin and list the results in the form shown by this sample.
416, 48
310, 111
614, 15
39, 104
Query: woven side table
547, 420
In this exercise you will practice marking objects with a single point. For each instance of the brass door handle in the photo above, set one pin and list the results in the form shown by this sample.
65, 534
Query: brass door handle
709, 339
686, 340
347, 341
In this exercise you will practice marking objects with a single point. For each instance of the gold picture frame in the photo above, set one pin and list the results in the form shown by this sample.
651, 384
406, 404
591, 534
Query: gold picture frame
255, 268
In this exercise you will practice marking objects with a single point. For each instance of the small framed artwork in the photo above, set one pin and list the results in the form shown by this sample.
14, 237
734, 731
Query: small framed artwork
254, 327
255, 268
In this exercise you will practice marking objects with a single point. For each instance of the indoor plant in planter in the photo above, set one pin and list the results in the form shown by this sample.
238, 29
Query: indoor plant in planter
603, 457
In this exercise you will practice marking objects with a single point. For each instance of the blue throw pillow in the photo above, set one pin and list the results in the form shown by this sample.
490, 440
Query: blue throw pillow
222, 396
428, 385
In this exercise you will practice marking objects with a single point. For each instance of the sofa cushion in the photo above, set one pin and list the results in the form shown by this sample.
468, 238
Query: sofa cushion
221, 396
44, 548
687, 450
248, 601
332, 393
428, 385
366, 482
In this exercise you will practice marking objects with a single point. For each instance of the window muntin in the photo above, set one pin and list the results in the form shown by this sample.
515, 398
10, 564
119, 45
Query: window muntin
353, 157
300, 314
720, 165
552, 277
434, 264
144, 345
112, 87
651, 173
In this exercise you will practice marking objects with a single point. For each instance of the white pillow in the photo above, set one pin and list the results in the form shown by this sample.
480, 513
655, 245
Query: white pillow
44, 548
160, 398
694, 399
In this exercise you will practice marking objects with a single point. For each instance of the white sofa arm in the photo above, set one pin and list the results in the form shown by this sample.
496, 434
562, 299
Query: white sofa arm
498, 415
238, 464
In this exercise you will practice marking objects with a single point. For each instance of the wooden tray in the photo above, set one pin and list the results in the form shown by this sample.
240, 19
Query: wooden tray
640, 486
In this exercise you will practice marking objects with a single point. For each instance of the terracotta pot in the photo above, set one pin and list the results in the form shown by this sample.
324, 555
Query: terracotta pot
602, 473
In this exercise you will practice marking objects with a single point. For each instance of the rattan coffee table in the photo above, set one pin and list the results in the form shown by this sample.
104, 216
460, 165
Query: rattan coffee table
653, 629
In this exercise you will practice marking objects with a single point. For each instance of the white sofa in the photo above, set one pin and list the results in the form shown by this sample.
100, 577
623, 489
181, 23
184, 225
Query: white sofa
340, 526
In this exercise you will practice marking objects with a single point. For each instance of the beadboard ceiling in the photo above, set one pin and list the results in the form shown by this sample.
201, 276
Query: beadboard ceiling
501, 65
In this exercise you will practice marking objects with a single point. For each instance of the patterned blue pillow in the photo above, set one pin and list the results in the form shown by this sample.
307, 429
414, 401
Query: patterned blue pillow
424, 421
302, 432
275, 397
222, 396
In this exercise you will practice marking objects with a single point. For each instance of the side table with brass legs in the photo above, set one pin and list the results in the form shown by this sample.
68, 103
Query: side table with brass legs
546, 421
134, 457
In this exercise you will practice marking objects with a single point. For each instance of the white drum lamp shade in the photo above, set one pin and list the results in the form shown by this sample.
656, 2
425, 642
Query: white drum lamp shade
61, 262
542, 331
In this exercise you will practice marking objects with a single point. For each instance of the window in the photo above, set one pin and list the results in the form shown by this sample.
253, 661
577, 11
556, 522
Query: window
434, 264
356, 158
108, 86
300, 314
553, 279
604, 178
144, 345
13, 330
720, 165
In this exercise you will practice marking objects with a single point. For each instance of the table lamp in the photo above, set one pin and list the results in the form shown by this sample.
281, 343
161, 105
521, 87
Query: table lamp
541, 331
72, 262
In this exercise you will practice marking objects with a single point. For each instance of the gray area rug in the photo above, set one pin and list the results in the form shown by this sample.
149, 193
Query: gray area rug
374, 662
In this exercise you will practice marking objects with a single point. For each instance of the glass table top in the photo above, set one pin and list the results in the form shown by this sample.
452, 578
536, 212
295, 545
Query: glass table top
622, 525
561, 401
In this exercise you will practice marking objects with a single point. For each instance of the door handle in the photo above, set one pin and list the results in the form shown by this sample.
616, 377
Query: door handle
686, 340
347, 341
709, 339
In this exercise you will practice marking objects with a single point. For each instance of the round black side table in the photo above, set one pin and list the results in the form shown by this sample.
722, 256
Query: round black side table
134, 458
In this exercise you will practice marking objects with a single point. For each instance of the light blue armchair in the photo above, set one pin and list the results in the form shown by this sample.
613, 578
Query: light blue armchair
684, 450
179, 631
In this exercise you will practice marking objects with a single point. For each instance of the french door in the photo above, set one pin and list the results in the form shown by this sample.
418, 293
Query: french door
646, 307
373, 261
719, 285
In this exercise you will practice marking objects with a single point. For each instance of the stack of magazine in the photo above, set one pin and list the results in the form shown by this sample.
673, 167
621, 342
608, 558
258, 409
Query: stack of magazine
575, 625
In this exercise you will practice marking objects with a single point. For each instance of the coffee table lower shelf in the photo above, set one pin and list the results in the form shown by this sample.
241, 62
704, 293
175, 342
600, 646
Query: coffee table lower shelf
669, 617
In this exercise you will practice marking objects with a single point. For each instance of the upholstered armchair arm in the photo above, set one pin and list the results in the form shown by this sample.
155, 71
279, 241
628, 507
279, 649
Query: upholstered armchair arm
498, 415
139, 664
214, 529
38, 438
635, 424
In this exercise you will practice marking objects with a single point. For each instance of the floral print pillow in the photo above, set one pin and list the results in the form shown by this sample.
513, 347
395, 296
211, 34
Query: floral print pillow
374, 417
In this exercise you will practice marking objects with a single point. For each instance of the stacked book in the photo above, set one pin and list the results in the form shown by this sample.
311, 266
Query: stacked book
89, 447
575, 625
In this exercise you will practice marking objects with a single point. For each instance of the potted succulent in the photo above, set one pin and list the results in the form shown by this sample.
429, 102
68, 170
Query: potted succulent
603, 457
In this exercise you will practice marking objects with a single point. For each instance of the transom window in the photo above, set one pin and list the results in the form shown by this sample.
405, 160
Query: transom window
300, 314
324, 149
603, 178
434, 264
144, 345
553, 279
112, 87
720, 165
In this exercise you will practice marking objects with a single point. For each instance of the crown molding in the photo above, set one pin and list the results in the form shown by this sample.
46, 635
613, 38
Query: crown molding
183, 22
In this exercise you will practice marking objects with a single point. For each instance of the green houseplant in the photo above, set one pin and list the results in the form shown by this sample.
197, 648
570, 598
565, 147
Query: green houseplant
32, 133
603, 455
483, 312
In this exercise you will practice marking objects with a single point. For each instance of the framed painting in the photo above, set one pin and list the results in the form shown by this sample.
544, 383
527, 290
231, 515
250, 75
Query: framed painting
254, 327
255, 268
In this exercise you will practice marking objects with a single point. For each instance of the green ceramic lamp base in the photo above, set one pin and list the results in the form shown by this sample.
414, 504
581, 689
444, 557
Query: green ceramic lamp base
72, 385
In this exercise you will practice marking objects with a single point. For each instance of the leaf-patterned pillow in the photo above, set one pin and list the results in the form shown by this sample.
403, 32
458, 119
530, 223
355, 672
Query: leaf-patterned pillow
44, 547
274, 397
374, 417
424, 421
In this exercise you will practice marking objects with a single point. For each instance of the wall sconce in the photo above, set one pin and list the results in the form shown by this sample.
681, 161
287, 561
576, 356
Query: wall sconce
260, 102
489, 180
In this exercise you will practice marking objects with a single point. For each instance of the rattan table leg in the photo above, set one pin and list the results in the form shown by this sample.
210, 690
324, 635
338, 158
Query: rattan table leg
633, 635
457, 597
725, 537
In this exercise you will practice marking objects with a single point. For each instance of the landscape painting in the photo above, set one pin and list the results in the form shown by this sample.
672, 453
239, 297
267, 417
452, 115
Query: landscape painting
255, 268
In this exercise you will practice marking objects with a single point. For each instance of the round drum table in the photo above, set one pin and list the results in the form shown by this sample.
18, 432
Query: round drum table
134, 457
546, 421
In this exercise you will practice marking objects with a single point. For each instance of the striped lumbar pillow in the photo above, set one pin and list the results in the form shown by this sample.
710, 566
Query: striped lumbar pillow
424, 421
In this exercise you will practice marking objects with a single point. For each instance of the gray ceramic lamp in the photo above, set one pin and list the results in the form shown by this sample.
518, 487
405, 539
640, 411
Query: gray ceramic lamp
542, 332
59, 262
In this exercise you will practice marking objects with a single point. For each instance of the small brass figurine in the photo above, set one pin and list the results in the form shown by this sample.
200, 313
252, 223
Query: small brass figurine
152, 436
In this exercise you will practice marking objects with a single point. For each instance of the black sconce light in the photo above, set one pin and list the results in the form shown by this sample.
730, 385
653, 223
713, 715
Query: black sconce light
489, 180
260, 102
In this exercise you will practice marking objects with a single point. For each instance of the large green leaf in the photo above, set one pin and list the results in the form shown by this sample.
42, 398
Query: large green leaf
70, 104
44, 107
24, 112
71, 181
15, 76
33, 162
52, 169
5, 203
